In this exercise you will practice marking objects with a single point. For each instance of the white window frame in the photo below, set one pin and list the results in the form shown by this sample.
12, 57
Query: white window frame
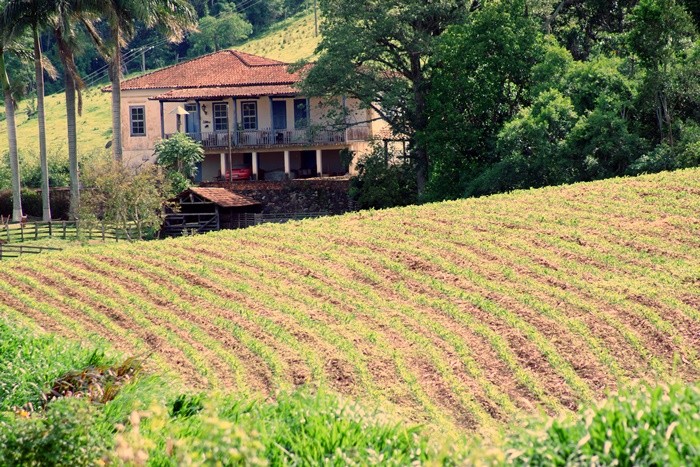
217, 119
133, 121
251, 117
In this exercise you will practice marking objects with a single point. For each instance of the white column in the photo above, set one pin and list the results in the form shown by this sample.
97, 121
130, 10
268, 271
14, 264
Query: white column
255, 165
223, 164
319, 162
287, 165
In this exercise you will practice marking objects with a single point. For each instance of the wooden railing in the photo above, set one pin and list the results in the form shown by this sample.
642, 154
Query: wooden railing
15, 251
271, 138
64, 230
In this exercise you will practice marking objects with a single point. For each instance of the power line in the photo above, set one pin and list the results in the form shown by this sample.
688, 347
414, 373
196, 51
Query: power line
101, 73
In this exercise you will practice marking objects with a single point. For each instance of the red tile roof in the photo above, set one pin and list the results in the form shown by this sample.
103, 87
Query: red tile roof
223, 198
222, 92
224, 68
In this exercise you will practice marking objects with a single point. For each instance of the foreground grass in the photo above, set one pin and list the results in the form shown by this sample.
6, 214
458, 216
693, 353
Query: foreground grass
464, 316
153, 420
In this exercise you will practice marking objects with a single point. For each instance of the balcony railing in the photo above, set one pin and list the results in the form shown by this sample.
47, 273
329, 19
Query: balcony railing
271, 138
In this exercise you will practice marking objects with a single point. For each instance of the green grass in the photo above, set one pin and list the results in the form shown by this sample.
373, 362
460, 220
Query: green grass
156, 421
288, 41
465, 316
94, 127
646, 425
153, 418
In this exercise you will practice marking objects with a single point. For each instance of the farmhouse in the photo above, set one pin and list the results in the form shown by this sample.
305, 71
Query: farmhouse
249, 115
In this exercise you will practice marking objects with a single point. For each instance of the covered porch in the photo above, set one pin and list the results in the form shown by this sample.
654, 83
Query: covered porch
272, 165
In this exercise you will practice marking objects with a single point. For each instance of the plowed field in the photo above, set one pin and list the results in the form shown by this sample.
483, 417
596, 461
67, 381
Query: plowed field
461, 314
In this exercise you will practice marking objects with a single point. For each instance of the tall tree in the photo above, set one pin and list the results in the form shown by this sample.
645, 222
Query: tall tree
376, 51
661, 34
67, 14
6, 44
35, 15
172, 17
481, 77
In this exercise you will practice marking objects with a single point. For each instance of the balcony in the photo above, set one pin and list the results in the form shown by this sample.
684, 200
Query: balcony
278, 138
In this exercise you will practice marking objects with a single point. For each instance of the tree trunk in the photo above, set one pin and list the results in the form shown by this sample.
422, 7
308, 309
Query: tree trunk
420, 124
43, 160
72, 146
116, 75
12, 141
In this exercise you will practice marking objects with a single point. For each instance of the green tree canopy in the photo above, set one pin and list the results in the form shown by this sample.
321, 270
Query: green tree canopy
481, 76
377, 51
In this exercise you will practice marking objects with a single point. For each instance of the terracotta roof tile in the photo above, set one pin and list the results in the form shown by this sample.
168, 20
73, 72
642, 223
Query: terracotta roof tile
224, 198
276, 90
219, 69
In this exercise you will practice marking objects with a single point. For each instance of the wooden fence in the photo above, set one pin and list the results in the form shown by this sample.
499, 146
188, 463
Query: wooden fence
15, 251
65, 230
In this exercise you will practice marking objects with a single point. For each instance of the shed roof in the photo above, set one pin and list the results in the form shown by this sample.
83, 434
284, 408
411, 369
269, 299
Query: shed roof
222, 197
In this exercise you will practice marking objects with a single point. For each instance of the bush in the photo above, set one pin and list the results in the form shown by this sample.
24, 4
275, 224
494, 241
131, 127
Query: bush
125, 199
383, 182
66, 434
643, 426
32, 204
300, 428
179, 154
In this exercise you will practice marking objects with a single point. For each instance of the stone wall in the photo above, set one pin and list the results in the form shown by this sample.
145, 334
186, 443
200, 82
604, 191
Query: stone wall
295, 196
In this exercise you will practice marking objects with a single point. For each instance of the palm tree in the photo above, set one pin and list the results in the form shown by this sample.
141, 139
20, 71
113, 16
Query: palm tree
34, 14
66, 15
6, 43
173, 17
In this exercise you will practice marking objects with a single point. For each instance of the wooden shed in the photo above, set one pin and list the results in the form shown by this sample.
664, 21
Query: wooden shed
201, 210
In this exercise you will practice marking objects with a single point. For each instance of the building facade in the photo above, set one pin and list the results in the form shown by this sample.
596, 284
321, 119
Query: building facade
250, 117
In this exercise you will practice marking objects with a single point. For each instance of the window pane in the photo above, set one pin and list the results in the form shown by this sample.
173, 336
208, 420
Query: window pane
220, 117
249, 112
301, 113
138, 121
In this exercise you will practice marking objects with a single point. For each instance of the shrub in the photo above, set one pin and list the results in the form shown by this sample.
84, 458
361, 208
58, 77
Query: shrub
642, 426
383, 182
180, 154
31, 203
66, 434
124, 199
299, 428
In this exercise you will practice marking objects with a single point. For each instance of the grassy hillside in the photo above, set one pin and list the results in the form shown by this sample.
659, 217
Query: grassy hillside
465, 314
94, 126
288, 41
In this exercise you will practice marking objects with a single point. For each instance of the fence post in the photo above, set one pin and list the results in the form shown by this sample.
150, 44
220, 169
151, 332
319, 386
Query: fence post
7, 228
103, 230
21, 231
36, 231
0, 251
50, 229
64, 230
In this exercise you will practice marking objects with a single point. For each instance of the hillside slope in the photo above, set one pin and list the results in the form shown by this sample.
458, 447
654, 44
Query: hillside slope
289, 41
465, 314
